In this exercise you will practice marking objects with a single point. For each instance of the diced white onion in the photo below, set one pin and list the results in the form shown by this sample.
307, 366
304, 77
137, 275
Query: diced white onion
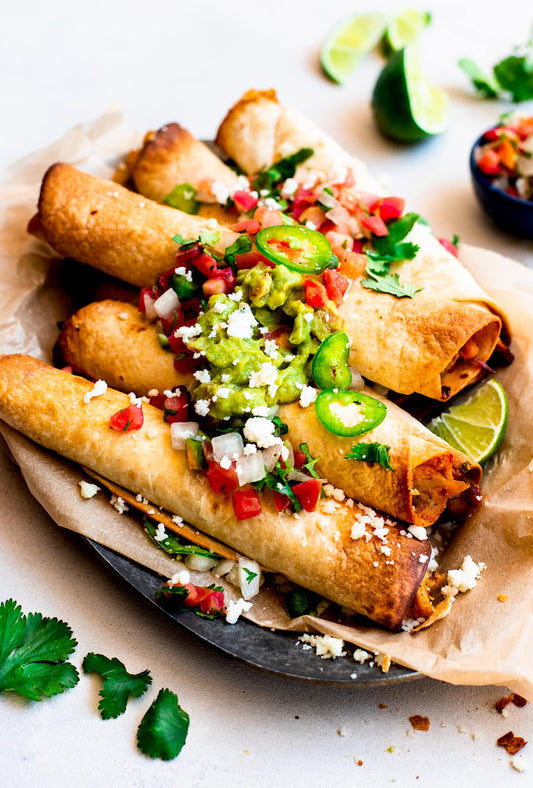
149, 302
180, 431
357, 381
250, 468
338, 215
223, 567
290, 457
298, 476
524, 165
167, 304
229, 445
329, 200
246, 575
200, 563
271, 456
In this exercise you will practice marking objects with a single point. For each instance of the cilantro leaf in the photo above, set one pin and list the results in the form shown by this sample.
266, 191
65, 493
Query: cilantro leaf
163, 729
249, 574
281, 170
515, 75
371, 452
485, 84
389, 283
33, 653
309, 466
118, 683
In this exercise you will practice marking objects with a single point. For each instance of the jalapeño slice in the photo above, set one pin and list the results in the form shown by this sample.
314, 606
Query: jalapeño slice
348, 413
330, 363
298, 248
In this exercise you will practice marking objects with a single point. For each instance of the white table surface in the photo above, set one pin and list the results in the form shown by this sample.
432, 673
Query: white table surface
62, 63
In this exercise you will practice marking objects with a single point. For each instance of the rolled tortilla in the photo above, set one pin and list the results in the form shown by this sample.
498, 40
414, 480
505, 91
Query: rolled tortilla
172, 156
427, 471
315, 550
408, 345
101, 223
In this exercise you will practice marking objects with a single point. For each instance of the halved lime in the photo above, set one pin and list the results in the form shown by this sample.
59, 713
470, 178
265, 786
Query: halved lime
406, 106
477, 426
349, 42
404, 29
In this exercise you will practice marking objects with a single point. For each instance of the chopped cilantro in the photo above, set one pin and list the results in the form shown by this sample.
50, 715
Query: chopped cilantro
371, 452
118, 684
388, 249
389, 283
513, 75
163, 729
276, 480
33, 653
281, 427
309, 466
242, 244
249, 574
301, 602
485, 84
281, 170
172, 545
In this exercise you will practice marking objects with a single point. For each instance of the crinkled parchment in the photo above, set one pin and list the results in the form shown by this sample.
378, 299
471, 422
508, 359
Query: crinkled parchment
483, 640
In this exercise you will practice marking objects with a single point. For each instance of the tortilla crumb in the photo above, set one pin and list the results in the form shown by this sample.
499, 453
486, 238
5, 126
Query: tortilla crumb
419, 723
384, 662
382, 706
511, 743
502, 597
514, 698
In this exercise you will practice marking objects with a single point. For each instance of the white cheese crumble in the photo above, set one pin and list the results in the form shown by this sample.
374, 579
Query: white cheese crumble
99, 388
160, 534
326, 646
307, 396
250, 448
361, 656
202, 375
260, 410
177, 519
202, 407
519, 763
289, 187
266, 376
241, 323
119, 504
234, 610
181, 578
358, 530
260, 431
219, 307
188, 332
88, 490
236, 296
463, 579
418, 531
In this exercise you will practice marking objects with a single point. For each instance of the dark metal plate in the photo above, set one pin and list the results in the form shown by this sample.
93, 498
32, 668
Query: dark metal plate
275, 652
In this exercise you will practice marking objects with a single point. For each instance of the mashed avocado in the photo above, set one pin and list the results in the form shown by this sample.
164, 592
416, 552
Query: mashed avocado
257, 343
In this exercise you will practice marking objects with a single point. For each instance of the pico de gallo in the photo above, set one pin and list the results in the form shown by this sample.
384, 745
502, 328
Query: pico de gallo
505, 156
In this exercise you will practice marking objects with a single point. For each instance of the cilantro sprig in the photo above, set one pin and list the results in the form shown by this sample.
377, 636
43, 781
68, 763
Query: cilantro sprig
33, 653
311, 461
281, 170
173, 545
511, 76
118, 686
164, 727
371, 452
385, 250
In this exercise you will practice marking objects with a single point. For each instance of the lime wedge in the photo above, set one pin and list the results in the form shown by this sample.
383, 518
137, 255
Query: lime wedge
477, 426
406, 106
404, 29
349, 42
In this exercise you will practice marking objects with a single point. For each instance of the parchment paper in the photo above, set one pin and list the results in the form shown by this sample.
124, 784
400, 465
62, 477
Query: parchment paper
483, 640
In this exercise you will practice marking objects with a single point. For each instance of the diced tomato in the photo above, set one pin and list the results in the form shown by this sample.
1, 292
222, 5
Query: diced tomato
250, 226
191, 308
336, 285
185, 365
280, 336
315, 293
303, 197
507, 154
207, 600
308, 493
358, 245
244, 200
373, 223
451, 248
223, 282
246, 504
367, 201
339, 242
183, 257
206, 264
158, 401
176, 343
523, 127
489, 162
268, 218
281, 501
313, 214
176, 407
223, 481
299, 459
145, 295
352, 264
249, 259
127, 419
390, 208
349, 181
328, 226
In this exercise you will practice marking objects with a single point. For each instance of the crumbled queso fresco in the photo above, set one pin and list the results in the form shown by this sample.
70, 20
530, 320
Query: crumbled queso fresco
326, 646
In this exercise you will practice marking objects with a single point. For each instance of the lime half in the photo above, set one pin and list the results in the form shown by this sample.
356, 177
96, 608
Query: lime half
477, 426
349, 42
404, 29
406, 106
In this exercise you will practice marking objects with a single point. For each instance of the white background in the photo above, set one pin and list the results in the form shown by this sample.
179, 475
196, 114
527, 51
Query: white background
62, 63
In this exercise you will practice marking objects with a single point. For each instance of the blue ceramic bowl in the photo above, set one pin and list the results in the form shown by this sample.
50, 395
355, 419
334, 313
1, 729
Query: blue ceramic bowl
512, 214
